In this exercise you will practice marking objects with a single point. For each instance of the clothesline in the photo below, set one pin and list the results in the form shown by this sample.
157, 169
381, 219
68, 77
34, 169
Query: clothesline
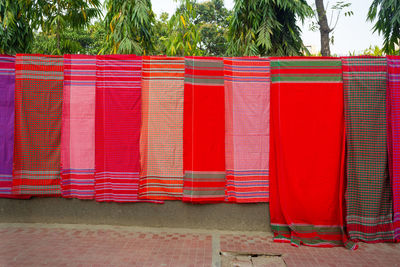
302, 133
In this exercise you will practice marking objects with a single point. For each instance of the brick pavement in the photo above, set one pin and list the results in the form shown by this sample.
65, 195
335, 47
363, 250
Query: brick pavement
88, 245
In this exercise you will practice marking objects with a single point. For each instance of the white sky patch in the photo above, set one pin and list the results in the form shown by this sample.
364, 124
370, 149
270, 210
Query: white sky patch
352, 34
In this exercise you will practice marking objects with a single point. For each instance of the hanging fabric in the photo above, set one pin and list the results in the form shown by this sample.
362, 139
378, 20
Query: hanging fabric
161, 143
368, 192
307, 151
204, 130
117, 127
393, 123
38, 110
78, 127
7, 88
247, 92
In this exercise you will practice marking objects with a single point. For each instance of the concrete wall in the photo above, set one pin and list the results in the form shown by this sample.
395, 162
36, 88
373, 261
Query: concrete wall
174, 214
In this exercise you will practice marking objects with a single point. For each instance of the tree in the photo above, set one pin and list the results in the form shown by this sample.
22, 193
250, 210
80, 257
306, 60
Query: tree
213, 18
16, 32
129, 25
184, 34
89, 40
388, 22
267, 27
160, 34
325, 27
55, 17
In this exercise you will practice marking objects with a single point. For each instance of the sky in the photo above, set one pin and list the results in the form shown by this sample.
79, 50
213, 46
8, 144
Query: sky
352, 34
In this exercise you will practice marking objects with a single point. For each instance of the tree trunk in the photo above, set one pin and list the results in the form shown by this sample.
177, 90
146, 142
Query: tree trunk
58, 27
323, 28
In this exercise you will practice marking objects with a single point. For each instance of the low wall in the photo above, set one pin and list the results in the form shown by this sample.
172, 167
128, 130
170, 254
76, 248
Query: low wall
173, 214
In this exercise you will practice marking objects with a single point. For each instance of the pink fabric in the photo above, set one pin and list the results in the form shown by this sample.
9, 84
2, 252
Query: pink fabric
77, 140
247, 97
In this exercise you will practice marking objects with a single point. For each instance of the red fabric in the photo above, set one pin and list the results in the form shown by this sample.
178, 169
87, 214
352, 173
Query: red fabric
307, 152
204, 130
118, 119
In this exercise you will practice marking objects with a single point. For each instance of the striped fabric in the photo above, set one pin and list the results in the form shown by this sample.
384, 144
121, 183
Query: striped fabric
247, 92
204, 130
77, 139
117, 127
393, 123
38, 109
7, 87
368, 193
307, 151
161, 143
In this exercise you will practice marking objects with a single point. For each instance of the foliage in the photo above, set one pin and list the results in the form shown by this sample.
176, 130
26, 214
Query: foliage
160, 35
184, 34
55, 17
267, 27
373, 51
16, 33
77, 41
213, 18
129, 25
387, 13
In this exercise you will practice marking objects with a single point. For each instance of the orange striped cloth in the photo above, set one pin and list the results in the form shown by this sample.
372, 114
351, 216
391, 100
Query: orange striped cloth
161, 143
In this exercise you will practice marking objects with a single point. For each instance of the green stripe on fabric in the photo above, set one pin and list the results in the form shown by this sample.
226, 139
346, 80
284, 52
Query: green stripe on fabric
204, 176
39, 172
308, 229
207, 63
306, 78
43, 177
41, 61
219, 81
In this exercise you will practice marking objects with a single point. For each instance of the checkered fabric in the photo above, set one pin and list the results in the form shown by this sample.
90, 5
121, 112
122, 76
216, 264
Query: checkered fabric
161, 140
117, 127
368, 193
247, 92
38, 109
78, 122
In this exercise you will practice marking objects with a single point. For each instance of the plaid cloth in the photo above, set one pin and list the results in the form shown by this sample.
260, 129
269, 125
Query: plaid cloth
7, 88
368, 192
204, 130
307, 152
161, 142
117, 130
247, 91
77, 138
38, 102
393, 135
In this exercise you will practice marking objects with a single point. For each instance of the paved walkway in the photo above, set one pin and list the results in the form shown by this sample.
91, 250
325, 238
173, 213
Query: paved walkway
88, 245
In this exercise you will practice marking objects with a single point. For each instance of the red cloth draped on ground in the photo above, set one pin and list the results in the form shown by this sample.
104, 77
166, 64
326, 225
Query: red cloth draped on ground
307, 151
247, 91
77, 138
118, 118
204, 130
393, 121
161, 141
38, 109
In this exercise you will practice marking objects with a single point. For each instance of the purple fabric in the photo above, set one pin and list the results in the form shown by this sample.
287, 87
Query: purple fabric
7, 87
